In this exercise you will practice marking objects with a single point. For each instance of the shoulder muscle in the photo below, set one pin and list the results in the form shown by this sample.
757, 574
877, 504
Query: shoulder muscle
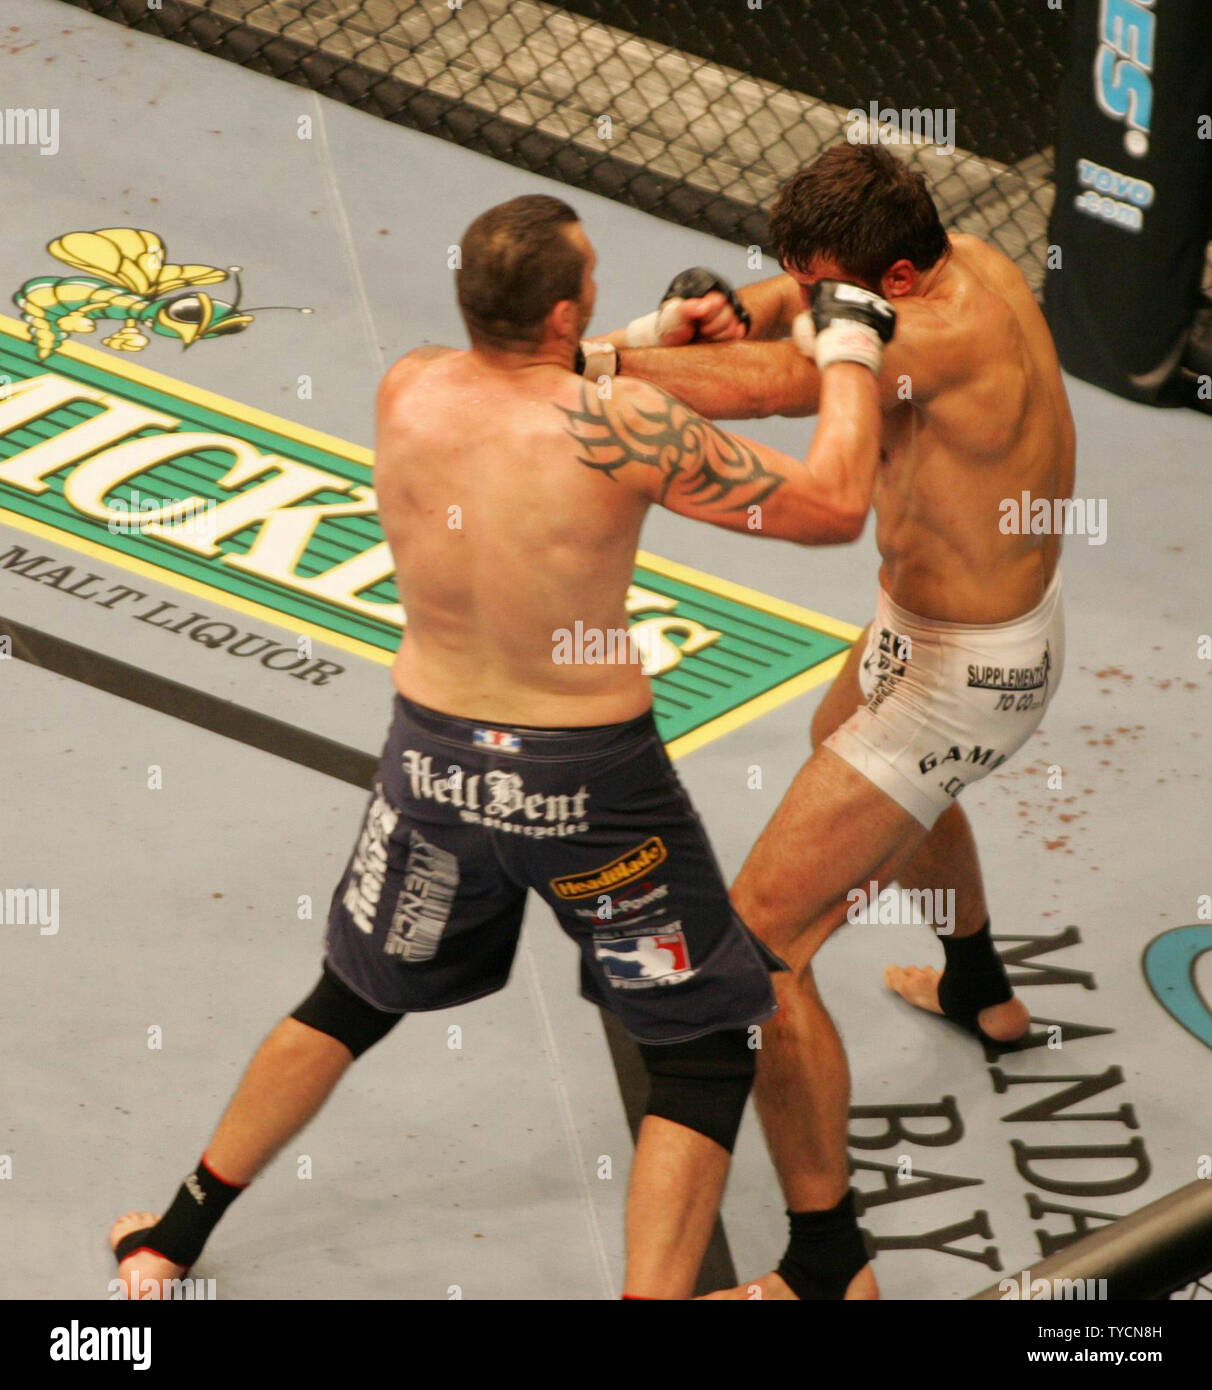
401, 373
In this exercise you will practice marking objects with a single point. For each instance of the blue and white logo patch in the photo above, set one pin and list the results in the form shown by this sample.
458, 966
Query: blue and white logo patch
500, 739
645, 959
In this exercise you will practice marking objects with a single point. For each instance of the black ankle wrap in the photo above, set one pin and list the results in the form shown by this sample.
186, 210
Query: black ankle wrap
182, 1231
974, 978
825, 1252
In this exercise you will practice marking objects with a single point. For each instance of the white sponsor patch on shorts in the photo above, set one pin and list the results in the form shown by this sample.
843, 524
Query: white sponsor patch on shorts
431, 880
369, 867
645, 959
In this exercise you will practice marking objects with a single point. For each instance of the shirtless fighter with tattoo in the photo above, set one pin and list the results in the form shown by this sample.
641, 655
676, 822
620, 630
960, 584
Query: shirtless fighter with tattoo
506, 770
952, 676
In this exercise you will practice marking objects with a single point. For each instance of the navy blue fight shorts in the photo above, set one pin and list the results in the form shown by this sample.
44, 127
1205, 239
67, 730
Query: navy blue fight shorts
465, 817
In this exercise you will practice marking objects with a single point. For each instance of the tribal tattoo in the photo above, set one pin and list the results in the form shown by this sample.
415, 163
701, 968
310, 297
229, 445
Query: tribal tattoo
698, 460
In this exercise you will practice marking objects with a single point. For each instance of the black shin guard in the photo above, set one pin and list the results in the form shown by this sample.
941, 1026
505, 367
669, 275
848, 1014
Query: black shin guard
825, 1252
702, 1084
182, 1231
333, 1008
974, 978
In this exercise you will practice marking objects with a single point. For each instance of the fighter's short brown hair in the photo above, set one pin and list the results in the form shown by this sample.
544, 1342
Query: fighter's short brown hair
860, 206
516, 264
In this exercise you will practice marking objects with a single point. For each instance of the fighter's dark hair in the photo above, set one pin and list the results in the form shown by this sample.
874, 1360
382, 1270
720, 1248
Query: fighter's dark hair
860, 206
516, 264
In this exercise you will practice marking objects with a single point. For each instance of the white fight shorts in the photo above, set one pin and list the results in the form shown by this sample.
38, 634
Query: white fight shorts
947, 703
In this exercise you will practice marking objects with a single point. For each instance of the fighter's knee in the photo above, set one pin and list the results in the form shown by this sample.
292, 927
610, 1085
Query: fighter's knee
334, 1009
702, 1084
296, 1041
758, 903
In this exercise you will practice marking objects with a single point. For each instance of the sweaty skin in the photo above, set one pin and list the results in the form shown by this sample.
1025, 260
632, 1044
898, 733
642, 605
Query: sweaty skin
499, 540
974, 411
512, 494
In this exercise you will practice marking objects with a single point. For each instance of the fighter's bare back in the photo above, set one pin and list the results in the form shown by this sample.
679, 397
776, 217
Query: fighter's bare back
512, 497
500, 539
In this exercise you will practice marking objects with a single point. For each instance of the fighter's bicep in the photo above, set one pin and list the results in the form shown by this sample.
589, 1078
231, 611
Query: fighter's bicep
723, 479
649, 441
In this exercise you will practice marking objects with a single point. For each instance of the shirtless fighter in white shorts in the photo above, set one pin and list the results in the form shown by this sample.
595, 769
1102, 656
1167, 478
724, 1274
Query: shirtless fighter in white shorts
963, 656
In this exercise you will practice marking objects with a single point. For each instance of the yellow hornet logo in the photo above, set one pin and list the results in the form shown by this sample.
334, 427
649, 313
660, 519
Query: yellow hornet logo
128, 279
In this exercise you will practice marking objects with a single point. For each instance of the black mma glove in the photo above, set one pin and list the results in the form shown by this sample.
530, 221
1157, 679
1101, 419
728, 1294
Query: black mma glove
596, 359
649, 330
851, 325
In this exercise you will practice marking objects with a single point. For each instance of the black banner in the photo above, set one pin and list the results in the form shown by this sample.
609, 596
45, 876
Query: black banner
281, 1341
1133, 209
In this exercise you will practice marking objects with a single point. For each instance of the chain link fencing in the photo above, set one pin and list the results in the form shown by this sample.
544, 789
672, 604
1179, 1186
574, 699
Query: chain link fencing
694, 110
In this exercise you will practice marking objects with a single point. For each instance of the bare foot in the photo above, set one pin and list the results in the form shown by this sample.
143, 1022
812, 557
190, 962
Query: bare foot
143, 1271
918, 985
773, 1286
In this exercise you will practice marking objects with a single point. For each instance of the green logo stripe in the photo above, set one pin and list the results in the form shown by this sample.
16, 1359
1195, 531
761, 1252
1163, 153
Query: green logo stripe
197, 474
748, 650
756, 652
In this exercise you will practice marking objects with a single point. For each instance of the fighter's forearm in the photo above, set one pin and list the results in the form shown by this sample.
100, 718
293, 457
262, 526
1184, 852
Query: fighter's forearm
844, 452
730, 381
771, 306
